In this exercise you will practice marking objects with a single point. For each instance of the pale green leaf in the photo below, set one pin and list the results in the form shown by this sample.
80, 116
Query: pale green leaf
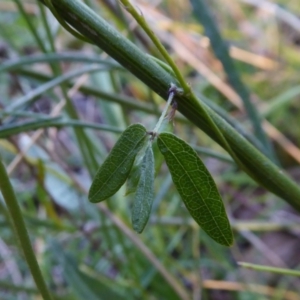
158, 157
144, 193
196, 187
116, 168
135, 173
133, 179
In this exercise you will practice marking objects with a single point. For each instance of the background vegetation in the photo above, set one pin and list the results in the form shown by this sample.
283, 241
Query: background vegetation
64, 103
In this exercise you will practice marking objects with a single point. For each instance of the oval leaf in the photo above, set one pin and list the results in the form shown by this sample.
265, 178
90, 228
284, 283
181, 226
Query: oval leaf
115, 169
196, 187
144, 193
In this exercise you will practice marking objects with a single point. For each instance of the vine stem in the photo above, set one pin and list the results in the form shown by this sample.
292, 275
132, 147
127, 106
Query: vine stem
21, 232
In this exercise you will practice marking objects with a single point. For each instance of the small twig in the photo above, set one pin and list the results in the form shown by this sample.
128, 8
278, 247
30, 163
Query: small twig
173, 90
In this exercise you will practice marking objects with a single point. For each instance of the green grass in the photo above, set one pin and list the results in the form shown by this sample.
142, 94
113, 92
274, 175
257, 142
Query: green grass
64, 103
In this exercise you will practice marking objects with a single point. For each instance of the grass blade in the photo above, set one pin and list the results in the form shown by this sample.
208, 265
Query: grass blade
282, 271
220, 49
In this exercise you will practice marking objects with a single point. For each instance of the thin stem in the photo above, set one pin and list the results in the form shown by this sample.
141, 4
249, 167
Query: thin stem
16, 63
259, 167
270, 269
11, 129
65, 25
30, 24
141, 21
186, 88
33, 94
157, 126
21, 232
47, 28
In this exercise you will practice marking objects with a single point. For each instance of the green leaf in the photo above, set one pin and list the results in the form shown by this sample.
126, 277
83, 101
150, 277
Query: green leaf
116, 168
158, 157
133, 179
135, 173
144, 193
196, 187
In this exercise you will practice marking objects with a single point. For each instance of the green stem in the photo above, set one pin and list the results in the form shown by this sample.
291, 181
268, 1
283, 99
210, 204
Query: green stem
186, 88
141, 21
30, 25
258, 166
64, 24
125, 101
157, 126
270, 269
133, 104
49, 36
21, 232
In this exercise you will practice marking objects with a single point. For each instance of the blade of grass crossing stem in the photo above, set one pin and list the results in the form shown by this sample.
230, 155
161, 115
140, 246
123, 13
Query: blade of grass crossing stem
29, 22
83, 141
196, 187
30, 97
16, 63
144, 193
116, 168
220, 49
12, 129
280, 102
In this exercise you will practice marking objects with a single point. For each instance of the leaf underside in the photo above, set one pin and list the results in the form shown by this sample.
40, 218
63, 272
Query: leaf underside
114, 171
133, 179
144, 196
196, 187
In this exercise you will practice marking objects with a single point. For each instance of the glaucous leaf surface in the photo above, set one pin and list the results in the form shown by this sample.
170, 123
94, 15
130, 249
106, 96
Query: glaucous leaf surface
144, 193
133, 179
